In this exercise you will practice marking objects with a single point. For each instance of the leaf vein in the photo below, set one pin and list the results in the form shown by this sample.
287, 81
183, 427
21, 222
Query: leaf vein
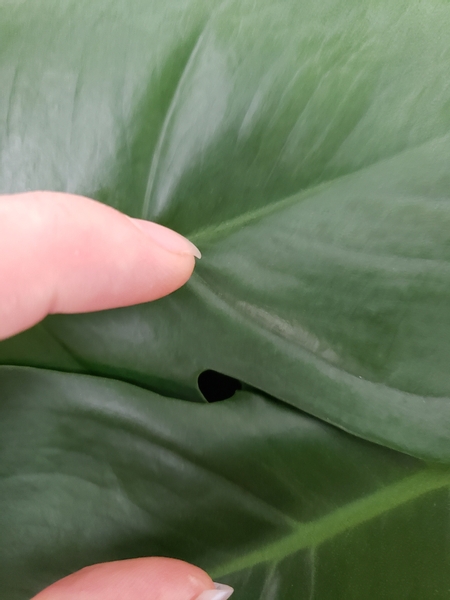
313, 534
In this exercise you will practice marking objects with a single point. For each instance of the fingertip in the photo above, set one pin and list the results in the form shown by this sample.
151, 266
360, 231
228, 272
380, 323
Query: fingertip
134, 579
167, 238
121, 263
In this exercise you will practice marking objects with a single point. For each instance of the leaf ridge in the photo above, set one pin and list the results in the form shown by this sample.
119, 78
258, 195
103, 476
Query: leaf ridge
170, 111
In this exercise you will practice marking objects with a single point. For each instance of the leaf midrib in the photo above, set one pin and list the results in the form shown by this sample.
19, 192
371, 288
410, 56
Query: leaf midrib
246, 218
312, 534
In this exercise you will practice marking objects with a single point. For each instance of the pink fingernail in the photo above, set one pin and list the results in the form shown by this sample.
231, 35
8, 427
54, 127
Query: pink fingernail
166, 238
221, 592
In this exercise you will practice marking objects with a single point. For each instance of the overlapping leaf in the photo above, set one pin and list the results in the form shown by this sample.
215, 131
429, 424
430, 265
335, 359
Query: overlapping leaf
263, 496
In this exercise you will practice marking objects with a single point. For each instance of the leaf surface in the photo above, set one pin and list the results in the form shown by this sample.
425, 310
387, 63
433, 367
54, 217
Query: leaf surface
266, 498
304, 146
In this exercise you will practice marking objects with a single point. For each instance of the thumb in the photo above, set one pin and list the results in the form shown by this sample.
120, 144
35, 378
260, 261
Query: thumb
61, 253
137, 579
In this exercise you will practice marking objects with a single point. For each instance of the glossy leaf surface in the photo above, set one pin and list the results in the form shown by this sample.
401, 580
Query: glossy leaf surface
266, 498
304, 146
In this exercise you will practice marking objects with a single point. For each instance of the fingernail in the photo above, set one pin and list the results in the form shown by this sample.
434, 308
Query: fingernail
221, 592
167, 238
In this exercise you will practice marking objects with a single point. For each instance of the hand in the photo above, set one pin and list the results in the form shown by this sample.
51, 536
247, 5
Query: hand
67, 254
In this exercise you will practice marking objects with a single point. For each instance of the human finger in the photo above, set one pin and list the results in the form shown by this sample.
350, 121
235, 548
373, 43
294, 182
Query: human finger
61, 253
137, 579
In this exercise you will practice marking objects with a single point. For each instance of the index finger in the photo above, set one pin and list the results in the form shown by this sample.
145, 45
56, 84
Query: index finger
61, 253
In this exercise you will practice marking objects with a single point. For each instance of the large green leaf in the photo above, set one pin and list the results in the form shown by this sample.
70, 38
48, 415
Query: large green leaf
304, 145
271, 500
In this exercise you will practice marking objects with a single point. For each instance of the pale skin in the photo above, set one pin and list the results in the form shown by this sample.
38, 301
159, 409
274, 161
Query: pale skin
67, 254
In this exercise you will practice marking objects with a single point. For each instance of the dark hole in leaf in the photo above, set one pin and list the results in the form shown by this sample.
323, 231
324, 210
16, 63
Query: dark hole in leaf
216, 386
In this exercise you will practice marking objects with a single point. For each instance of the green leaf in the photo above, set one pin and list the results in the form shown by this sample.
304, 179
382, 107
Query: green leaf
266, 498
304, 146
305, 149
